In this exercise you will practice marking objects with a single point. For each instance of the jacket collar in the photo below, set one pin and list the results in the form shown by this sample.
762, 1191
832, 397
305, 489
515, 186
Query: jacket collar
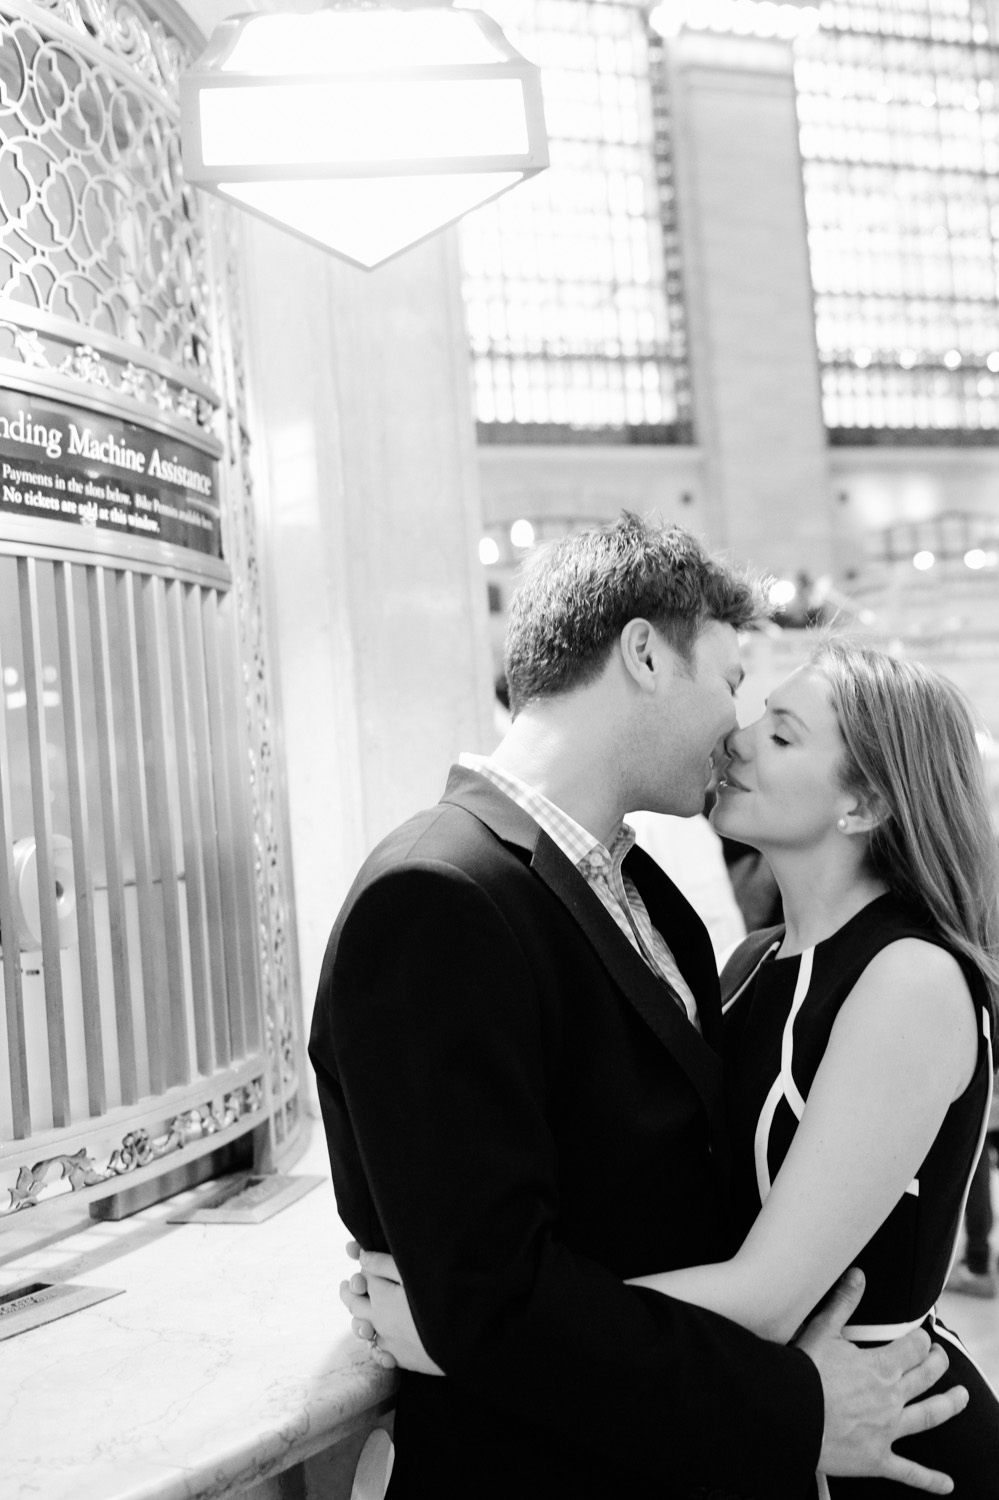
479, 796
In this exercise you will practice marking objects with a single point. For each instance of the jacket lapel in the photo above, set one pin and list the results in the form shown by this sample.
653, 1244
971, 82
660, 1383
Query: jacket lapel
673, 916
652, 997
655, 1000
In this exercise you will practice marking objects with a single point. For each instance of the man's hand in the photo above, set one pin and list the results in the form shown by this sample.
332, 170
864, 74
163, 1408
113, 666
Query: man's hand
381, 1313
867, 1394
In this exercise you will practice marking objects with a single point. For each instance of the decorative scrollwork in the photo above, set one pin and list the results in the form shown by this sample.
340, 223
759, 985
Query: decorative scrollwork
83, 363
142, 44
28, 345
100, 230
58, 1174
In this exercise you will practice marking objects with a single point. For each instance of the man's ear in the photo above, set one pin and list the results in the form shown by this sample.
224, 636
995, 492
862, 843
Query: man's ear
647, 659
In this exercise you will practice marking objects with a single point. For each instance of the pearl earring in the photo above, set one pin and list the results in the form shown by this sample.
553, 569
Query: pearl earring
841, 824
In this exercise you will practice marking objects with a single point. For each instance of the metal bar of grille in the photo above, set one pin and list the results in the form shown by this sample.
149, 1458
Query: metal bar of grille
41, 806
69, 675
152, 641
235, 908
107, 757
135, 765
188, 772
208, 820
17, 1052
232, 733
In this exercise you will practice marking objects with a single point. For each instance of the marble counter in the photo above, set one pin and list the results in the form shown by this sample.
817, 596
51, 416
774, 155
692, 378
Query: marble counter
228, 1357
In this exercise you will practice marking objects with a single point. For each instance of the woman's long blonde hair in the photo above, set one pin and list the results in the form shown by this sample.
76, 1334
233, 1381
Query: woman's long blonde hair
912, 755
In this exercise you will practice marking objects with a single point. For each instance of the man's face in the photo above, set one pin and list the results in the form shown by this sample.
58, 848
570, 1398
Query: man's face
695, 713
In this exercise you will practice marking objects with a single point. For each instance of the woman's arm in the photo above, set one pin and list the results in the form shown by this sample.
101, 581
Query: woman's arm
903, 1047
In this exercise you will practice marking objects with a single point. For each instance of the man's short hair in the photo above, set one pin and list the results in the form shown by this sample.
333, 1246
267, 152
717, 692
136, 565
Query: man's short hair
577, 594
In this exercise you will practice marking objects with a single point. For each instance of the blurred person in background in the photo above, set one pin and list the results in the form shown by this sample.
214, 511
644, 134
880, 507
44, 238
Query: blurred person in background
976, 1273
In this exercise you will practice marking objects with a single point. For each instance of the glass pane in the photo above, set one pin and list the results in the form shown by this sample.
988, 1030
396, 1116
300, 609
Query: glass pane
566, 278
899, 128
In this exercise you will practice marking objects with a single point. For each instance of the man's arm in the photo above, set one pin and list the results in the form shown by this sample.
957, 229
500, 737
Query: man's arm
872, 1396
431, 1024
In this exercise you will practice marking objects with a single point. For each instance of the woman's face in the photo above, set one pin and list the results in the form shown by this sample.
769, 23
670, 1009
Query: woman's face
779, 788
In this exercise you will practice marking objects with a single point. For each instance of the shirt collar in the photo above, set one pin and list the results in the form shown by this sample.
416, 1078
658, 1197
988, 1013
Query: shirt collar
606, 861
575, 842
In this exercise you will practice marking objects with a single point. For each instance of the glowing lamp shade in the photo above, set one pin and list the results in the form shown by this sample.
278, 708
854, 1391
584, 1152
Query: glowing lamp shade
363, 130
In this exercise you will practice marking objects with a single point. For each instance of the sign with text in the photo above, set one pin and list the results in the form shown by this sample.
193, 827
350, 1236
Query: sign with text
63, 463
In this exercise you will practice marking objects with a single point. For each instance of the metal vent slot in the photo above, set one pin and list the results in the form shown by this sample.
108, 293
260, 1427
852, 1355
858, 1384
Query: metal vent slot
27, 1307
126, 902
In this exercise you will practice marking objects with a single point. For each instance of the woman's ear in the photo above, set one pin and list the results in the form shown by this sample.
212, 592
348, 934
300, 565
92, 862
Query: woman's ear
866, 812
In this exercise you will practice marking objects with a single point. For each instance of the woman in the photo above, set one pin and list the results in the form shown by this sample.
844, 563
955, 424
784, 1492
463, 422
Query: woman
863, 785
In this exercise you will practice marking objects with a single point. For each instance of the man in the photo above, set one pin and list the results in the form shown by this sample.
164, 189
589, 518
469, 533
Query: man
516, 1039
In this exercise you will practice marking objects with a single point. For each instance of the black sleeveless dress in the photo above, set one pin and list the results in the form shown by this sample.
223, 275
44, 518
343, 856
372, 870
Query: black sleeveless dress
779, 1013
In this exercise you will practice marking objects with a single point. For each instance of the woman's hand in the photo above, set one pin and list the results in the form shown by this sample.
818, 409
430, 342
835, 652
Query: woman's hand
377, 1299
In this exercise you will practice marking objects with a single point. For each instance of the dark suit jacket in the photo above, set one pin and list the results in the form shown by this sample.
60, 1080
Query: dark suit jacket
516, 1107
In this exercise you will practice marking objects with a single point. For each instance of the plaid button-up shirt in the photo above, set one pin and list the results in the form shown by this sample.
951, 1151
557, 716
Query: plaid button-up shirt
600, 867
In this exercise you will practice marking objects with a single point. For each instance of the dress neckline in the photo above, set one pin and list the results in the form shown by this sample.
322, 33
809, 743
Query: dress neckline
774, 957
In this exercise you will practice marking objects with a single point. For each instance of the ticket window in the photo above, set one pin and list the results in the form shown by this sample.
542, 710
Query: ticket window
148, 1014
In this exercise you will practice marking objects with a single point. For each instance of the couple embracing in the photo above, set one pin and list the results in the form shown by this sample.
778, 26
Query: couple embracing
597, 1215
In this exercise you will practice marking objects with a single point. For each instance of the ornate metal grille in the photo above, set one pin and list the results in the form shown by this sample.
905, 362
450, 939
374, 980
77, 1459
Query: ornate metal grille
100, 233
99, 227
146, 967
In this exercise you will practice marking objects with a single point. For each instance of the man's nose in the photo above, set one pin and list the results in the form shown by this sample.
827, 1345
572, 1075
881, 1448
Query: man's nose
734, 743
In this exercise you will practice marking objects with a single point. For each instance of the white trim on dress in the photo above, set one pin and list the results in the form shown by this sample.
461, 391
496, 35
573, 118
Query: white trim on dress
784, 1086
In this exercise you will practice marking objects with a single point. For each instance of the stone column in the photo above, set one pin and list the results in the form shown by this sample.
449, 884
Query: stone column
364, 460
753, 355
